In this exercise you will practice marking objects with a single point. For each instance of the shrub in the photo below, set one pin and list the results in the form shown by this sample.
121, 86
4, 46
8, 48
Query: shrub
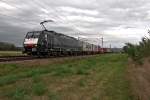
137, 52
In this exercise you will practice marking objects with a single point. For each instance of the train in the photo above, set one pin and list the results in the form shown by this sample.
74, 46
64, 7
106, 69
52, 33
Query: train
51, 43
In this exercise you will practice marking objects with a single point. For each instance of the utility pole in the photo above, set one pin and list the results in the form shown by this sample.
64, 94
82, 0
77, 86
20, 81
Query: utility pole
78, 36
102, 41
102, 44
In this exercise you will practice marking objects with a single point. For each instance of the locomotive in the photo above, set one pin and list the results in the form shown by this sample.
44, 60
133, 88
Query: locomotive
52, 43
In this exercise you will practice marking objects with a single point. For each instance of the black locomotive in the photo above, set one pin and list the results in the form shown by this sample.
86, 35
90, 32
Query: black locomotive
52, 43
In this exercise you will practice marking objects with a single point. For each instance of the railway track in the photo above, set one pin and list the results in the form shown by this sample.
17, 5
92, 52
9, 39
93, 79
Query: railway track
16, 58
22, 58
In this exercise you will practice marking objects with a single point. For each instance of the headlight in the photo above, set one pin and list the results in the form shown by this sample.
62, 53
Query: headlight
35, 45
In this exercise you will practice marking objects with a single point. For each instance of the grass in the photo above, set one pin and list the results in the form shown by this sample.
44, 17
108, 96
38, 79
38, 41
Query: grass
94, 78
82, 83
39, 88
17, 94
10, 53
53, 96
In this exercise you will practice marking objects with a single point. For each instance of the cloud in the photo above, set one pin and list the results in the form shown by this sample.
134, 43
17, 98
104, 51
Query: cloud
6, 6
78, 11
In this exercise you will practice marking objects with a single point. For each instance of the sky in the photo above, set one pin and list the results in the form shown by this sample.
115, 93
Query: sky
117, 21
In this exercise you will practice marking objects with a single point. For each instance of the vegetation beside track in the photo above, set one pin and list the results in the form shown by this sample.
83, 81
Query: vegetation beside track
5, 46
10, 53
92, 78
139, 67
139, 51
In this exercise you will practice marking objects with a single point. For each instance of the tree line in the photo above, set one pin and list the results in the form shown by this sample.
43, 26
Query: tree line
138, 51
4, 46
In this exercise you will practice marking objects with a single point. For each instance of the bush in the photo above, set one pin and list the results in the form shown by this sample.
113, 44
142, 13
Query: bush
137, 52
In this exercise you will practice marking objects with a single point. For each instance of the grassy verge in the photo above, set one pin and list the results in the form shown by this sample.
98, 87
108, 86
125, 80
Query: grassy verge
10, 53
94, 78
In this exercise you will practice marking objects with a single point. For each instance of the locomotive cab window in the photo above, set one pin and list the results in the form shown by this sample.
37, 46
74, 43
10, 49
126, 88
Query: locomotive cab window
32, 35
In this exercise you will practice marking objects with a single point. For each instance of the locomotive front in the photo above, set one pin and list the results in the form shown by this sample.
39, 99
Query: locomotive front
31, 42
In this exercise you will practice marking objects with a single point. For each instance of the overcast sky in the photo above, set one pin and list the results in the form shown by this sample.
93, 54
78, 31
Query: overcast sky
118, 21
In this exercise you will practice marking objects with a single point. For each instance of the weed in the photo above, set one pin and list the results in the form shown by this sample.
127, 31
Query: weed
82, 83
96, 98
53, 96
64, 71
17, 94
82, 71
39, 88
36, 78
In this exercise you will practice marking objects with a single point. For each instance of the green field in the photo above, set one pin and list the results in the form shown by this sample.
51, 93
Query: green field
10, 53
93, 78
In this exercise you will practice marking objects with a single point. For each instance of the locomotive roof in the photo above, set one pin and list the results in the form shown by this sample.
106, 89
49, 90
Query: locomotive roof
60, 34
54, 32
34, 31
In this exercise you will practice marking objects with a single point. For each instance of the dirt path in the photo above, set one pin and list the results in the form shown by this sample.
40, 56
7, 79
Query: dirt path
139, 76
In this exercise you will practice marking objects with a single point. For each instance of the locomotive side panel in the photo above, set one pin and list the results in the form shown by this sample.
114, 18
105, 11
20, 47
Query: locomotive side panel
50, 41
69, 43
59, 42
